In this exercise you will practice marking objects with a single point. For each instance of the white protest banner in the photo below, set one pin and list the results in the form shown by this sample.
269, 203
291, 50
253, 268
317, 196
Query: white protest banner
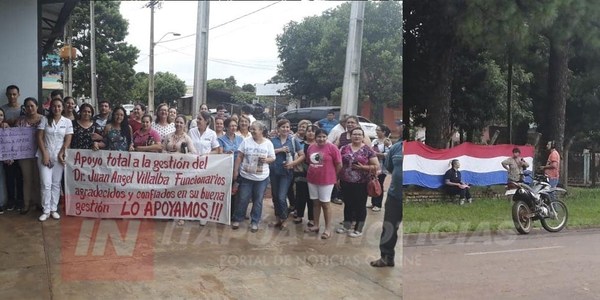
112, 184
17, 143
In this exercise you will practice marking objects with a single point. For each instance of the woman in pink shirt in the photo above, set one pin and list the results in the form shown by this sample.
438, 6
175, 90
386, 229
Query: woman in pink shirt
324, 162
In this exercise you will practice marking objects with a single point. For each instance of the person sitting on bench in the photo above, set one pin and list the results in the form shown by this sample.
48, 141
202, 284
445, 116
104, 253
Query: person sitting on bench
454, 185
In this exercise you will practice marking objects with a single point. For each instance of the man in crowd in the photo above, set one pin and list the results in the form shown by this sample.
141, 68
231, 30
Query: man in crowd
337, 130
247, 111
12, 109
329, 122
221, 112
552, 167
101, 119
14, 178
515, 166
393, 204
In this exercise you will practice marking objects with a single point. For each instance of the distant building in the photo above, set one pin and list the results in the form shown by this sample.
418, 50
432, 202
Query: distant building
275, 100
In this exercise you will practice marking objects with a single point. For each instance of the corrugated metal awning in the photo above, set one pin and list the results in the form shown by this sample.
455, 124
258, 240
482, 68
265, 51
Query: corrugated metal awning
55, 14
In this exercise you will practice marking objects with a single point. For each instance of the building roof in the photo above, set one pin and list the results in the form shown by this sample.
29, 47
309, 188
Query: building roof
55, 14
270, 89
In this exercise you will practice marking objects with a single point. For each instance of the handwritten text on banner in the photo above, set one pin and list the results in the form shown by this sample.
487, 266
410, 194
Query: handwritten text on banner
111, 184
17, 143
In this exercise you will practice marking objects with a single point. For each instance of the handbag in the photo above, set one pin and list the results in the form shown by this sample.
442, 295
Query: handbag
373, 186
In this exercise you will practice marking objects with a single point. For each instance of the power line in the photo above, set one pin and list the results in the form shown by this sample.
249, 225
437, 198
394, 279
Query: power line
226, 61
223, 24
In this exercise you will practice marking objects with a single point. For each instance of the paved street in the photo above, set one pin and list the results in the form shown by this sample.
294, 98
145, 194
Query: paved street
540, 265
77, 258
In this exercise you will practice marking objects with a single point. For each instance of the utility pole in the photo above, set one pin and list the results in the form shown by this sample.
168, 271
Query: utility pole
94, 100
201, 56
353, 53
68, 62
151, 5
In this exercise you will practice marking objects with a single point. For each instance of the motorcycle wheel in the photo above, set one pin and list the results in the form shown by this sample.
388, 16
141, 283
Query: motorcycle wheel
520, 216
557, 222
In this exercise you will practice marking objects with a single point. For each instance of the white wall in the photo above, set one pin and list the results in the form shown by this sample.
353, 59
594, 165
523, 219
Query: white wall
19, 47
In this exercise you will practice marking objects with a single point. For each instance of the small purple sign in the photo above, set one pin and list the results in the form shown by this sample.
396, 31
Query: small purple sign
17, 143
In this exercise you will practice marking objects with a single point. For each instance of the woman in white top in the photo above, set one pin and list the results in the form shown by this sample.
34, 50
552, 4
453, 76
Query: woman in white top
252, 167
161, 123
381, 146
53, 137
204, 139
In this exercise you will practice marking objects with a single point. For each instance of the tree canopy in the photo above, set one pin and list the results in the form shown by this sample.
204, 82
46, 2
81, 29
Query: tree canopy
114, 57
454, 48
313, 53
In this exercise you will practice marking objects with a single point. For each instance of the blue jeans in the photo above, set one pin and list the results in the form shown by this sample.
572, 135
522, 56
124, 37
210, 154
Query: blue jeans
280, 185
553, 182
250, 190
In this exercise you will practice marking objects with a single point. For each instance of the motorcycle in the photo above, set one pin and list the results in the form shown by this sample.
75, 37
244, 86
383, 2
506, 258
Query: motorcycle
537, 202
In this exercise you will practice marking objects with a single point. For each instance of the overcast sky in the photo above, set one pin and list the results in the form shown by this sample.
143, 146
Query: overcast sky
244, 48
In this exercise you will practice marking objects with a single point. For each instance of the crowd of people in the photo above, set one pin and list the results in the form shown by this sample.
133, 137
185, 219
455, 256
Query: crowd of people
306, 169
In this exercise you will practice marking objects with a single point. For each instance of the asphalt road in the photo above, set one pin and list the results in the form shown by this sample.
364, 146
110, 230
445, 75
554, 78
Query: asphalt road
505, 265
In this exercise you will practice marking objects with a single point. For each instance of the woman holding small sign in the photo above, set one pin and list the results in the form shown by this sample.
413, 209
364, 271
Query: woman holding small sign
54, 137
252, 167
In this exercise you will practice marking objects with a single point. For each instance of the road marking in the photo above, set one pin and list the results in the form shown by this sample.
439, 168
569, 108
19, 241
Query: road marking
514, 250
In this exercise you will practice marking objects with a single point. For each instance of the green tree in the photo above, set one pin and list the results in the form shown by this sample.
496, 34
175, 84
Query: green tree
215, 84
431, 42
230, 82
313, 54
249, 88
114, 57
139, 92
168, 88
244, 94
477, 92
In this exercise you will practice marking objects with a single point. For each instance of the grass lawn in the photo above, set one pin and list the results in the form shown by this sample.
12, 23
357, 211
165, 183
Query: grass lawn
494, 214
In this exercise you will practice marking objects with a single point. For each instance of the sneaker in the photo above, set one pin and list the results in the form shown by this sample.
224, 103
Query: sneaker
355, 234
55, 215
470, 200
370, 206
254, 228
203, 222
462, 202
376, 208
235, 225
337, 201
341, 230
10, 208
44, 217
1, 210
